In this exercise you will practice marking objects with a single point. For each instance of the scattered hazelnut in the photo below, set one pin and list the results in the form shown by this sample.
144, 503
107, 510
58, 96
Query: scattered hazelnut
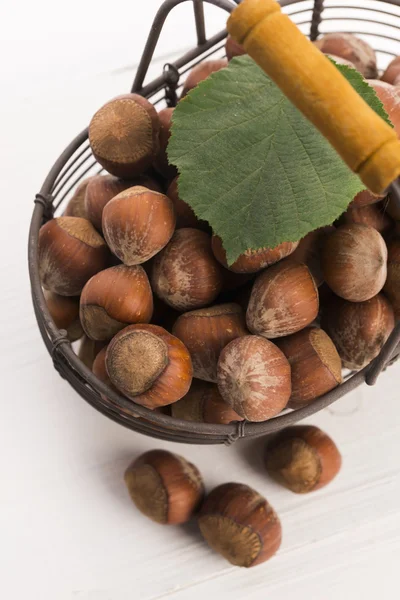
165, 487
70, 253
254, 377
392, 285
88, 350
392, 73
162, 164
284, 300
76, 205
201, 72
373, 215
238, 523
252, 260
351, 48
204, 404
185, 273
303, 459
114, 298
64, 311
185, 216
365, 198
309, 252
359, 329
149, 365
354, 262
102, 188
137, 224
123, 135
390, 98
232, 48
315, 365
205, 332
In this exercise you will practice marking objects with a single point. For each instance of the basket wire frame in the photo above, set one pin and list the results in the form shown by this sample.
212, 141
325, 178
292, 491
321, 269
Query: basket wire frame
76, 162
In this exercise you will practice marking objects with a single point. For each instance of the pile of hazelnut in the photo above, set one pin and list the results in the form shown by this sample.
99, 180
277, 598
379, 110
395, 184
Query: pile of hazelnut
169, 325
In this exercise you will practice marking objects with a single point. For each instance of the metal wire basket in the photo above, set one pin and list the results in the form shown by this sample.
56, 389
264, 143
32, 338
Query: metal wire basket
379, 23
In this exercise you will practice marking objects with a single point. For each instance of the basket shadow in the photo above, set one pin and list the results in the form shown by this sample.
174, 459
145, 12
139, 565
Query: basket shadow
252, 452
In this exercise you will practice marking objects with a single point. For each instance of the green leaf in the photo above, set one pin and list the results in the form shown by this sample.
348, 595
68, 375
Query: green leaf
252, 166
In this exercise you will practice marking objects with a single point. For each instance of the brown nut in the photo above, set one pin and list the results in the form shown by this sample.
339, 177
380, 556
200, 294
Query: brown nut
354, 262
64, 311
123, 135
373, 215
238, 523
254, 378
76, 205
137, 224
149, 365
102, 188
185, 274
284, 300
88, 350
165, 487
200, 72
315, 365
204, 404
232, 48
353, 49
114, 298
252, 261
309, 252
390, 98
359, 329
99, 369
205, 332
303, 459
70, 253
365, 198
185, 216
161, 163
392, 73
392, 285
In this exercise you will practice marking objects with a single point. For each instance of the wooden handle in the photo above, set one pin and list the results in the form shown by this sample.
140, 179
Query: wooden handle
367, 144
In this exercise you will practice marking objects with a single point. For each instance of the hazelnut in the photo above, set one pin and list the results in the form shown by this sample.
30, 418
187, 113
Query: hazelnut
373, 215
88, 350
64, 311
185, 274
137, 224
359, 329
390, 98
205, 332
252, 260
102, 188
113, 299
254, 378
76, 205
204, 404
232, 48
392, 285
284, 300
354, 262
165, 487
99, 369
238, 523
351, 48
365, 198
303, 459
123, 135
392, 208
162, 164
309, 252
201, 71
149, 365
392, 73
70, 253
185, 216
315, 365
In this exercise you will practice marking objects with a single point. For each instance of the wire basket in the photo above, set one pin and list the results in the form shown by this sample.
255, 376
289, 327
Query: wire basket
379, 23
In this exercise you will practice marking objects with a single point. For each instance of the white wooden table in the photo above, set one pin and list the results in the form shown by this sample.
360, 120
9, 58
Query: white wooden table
67, 527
